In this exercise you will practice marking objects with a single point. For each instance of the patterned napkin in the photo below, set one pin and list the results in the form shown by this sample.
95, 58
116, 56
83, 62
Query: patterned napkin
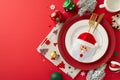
49, 45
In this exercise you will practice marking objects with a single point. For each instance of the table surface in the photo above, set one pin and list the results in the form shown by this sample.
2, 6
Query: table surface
23, 26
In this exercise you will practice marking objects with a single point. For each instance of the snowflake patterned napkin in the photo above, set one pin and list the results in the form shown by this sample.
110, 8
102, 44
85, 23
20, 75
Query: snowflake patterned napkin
49, 45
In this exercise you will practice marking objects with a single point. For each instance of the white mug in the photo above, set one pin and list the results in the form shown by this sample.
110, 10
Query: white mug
111, 5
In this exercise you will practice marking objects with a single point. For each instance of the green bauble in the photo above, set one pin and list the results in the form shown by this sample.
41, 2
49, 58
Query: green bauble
56, 76
68, 5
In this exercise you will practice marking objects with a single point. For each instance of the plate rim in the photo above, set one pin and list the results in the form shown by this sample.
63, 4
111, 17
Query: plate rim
100, 27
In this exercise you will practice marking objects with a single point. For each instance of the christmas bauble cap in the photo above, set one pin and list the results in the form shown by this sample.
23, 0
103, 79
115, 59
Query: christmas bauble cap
87, 39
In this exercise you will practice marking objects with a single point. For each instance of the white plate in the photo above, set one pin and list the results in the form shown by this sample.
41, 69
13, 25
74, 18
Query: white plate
83, 26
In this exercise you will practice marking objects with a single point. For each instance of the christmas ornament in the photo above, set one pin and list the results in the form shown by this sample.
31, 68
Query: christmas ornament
97, 74
116, 21
84, 47
54, 55
56, 16
114, 66
86, 6
56, 76
68, 5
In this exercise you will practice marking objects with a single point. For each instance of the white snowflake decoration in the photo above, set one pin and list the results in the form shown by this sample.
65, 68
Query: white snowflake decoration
82, 73
43, 60
52, 7
116, 21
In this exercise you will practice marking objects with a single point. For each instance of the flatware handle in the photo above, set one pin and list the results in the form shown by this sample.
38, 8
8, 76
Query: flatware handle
98, 21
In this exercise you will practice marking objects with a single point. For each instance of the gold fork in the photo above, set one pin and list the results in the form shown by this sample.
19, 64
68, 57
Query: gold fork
92, 20
98, 21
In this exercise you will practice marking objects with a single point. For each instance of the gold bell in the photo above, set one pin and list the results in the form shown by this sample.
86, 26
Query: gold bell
54, 55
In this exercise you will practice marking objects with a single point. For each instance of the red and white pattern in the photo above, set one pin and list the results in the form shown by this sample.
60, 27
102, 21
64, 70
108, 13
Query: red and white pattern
114, 66
49, 45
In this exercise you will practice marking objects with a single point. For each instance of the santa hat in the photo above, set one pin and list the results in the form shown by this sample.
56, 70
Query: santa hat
87, 39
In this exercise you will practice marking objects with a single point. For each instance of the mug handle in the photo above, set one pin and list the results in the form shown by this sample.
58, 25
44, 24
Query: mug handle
101, 6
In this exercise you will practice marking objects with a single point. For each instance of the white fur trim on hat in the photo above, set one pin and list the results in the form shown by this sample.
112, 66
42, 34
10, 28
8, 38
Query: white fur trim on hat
86, 43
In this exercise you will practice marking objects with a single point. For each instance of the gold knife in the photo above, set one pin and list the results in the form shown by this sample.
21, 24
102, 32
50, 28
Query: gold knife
98, 21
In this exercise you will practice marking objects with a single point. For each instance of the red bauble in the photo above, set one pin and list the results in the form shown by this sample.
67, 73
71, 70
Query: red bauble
56, 16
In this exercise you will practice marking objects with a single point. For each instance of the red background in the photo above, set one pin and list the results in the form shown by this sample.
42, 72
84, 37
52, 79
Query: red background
23, 26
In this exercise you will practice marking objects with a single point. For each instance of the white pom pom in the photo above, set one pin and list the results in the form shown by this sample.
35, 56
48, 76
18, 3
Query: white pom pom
96, 44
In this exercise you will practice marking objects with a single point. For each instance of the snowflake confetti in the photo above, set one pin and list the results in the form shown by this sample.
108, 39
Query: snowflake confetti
52, 7
43, 60
82, 73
